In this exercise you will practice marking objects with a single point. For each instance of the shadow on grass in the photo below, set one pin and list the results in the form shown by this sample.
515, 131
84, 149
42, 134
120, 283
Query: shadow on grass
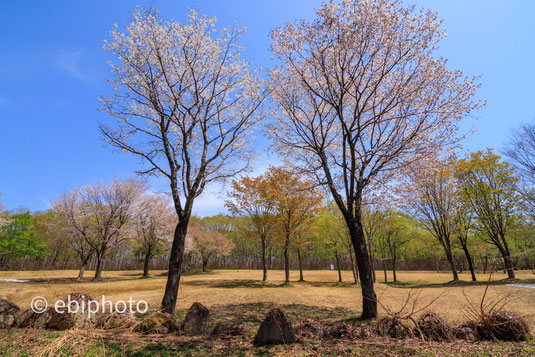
460, 283
258, 284
233, 283
254, 313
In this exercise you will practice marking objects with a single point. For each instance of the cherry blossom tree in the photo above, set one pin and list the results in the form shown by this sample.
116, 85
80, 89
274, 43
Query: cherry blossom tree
76, 226
432, 195
209, 244
359, 94
98, 217
154, 223
184, 103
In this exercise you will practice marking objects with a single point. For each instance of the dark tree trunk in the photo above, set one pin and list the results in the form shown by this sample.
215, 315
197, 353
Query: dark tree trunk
146, 264
449, 257
204, 264
369, 299
100, 265
264, 265
504, 250
394, 276
469, 261
384, 270
338, 266
300, 266
286, 262
175, 265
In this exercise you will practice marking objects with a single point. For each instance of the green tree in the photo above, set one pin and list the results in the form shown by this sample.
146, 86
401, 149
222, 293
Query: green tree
489, 186
17, 239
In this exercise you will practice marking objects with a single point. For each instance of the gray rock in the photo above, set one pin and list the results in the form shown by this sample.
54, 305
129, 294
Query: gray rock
31, 319
9, 313
392, 327
275, 329
196, 321
159, 322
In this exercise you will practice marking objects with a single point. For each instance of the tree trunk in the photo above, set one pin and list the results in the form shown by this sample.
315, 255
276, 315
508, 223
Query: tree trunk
469, 261
82, 271
449, 257
372, 259
384, 270
369, 299
146, 264
504, 250
300, 266
100, 265
264, 265
286, 262
394, 269
175, 265
204, 264
338, 266
353, 268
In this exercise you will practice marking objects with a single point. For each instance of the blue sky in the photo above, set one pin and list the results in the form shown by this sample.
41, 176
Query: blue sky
53, 69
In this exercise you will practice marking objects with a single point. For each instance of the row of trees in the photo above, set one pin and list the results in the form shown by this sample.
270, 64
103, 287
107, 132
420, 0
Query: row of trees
279, 215
89, 224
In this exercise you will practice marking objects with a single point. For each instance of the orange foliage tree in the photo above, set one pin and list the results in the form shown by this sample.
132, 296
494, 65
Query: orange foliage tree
250, 198
297, 202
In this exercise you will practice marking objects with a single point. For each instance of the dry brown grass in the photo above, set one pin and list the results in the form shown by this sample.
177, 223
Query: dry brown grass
243, 286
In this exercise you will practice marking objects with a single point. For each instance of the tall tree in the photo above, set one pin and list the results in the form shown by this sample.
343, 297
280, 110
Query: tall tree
249, 197
489, 186
296, 203
185, 103
360, 92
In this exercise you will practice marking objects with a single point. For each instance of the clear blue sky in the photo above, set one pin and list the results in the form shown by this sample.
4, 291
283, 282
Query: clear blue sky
52, 70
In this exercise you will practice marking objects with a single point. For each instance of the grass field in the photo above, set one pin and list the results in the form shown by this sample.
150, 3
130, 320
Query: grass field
243, 286
239, 295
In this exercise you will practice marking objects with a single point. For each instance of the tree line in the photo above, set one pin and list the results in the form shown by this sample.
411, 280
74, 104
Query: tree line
468, 214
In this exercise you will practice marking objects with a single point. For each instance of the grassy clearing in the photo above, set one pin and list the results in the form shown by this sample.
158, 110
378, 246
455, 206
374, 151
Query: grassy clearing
239, 296
243, 286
